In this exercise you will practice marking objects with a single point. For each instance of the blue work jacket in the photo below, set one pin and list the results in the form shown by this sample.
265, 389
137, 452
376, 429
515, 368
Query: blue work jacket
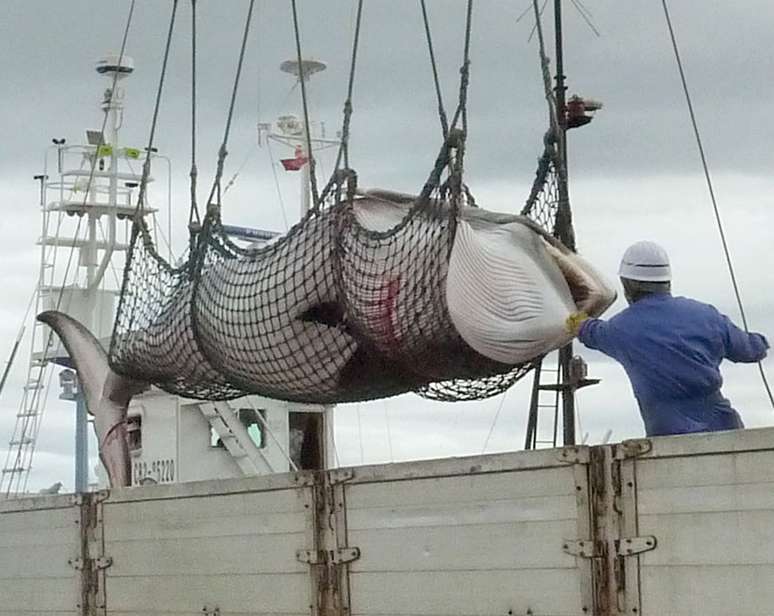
671, 349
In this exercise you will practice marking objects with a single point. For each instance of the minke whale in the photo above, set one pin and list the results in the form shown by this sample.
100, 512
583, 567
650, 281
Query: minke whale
317, 318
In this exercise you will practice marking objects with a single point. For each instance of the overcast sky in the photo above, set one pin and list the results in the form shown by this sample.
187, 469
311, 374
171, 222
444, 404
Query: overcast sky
634, 171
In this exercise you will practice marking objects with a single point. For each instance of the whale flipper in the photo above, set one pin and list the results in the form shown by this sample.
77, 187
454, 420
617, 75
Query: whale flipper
107, 393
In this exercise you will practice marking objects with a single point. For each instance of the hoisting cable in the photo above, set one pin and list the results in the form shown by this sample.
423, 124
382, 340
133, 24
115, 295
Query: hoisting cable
194, 221
716, 209
464, 73
223, 152
149, 150
441, 110
337, 178
455, 178
544, 68
350, 86
455, 138
307, 133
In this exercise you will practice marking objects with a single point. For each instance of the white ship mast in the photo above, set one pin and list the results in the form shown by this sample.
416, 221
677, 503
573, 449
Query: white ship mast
86, 193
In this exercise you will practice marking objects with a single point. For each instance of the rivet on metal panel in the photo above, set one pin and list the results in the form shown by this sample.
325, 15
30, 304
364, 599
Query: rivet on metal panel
103, 562
583, 549
304, 478
310, 557
574, 455
211, 610
635, 545
345, 555
76, 563
76, 499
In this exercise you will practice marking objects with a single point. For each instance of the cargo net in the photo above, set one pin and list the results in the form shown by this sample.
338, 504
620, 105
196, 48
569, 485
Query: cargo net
347, 306
541, 207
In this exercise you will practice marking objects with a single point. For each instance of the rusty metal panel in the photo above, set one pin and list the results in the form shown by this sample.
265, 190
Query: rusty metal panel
39, 546
470, 536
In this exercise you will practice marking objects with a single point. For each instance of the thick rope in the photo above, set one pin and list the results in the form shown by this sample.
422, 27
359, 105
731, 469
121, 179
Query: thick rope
193, 215
350, 86
223, 152
307, 133
346, 174
441, 110
455, 178
715, 207
545, 71
149, 150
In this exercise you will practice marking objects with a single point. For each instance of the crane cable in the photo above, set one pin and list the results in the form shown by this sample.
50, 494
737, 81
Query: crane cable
716, 209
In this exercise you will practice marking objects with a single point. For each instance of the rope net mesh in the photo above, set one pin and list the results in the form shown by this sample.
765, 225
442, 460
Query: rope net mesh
349, 305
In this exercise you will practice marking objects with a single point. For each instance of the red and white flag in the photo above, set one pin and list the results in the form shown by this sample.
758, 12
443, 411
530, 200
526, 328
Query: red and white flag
294, 164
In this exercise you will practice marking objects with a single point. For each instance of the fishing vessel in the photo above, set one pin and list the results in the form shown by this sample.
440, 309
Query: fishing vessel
87, 203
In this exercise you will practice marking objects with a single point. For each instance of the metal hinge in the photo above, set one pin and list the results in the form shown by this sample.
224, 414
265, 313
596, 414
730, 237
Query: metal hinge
583, 549
340, 476
322, 557
76, 563
103, 562
304, 478
635, 545
623, 547
633, 448
574, 455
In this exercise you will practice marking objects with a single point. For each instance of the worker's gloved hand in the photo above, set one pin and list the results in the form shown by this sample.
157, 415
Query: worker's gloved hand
573, 323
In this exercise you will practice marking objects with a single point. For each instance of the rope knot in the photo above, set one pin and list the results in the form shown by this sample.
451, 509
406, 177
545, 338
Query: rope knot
456, 138
213, 209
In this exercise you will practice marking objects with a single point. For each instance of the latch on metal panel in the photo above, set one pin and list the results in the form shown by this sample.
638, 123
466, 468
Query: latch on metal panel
634, 545
337, 557
583, 549
344, 555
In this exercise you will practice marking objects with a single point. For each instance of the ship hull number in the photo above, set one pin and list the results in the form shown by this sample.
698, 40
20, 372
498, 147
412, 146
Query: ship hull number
154, 471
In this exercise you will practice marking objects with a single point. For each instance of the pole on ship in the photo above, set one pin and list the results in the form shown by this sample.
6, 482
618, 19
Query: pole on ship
564, 228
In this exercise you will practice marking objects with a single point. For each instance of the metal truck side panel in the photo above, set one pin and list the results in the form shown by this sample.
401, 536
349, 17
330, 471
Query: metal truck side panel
227, 545
466, 536
39, 539
709, 501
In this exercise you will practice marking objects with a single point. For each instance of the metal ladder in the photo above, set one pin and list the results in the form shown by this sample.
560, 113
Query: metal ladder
553, 384
235, 438
546, 399
21, 447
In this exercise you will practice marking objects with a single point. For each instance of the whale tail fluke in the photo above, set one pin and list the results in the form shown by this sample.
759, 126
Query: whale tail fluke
107, 393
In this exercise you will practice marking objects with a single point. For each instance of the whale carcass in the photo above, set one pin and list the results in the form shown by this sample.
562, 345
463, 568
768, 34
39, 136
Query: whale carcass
362, 300
369, 298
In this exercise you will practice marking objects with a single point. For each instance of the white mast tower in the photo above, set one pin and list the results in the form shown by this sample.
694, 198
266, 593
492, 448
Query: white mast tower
87, 196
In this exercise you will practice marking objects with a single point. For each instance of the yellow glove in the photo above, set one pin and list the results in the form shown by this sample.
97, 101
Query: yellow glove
573, 323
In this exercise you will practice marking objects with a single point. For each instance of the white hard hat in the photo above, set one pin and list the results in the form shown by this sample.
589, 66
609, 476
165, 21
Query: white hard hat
646, 262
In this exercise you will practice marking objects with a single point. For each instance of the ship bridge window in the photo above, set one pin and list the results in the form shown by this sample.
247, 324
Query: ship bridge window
254, 425
249, 418
134, 432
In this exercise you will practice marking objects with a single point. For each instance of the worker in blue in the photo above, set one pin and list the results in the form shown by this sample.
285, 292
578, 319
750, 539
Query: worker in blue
670, 347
